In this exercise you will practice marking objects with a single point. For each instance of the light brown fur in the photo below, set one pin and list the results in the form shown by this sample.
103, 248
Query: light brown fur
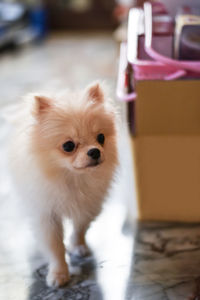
55, 184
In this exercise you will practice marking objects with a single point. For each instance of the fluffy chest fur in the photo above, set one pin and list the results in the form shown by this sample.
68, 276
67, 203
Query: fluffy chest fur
63, 193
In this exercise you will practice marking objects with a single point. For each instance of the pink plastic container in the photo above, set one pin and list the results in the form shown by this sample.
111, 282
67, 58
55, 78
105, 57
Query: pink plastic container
149, 55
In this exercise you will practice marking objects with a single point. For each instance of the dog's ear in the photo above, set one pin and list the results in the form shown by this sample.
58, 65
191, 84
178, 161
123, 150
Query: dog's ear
41, 105
95, 92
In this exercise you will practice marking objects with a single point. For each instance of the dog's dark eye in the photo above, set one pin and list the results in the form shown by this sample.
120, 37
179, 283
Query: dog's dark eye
68, 146
101, 138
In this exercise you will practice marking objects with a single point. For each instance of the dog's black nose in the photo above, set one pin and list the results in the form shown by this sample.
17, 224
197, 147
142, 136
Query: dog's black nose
94, 153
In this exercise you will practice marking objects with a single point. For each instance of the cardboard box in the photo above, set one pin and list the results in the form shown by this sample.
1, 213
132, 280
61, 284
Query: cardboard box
167, 107
166, 148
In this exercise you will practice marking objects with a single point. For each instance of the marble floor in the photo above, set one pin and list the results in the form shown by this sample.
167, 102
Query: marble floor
130, 260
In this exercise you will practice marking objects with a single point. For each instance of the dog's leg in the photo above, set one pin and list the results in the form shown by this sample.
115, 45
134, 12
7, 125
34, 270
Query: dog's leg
50, 231
78, 246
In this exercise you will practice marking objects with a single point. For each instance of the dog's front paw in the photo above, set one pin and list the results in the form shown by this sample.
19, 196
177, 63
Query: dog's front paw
80, 250
57, 277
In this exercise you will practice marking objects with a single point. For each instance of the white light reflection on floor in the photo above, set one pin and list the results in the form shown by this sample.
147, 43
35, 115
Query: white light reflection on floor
115, 248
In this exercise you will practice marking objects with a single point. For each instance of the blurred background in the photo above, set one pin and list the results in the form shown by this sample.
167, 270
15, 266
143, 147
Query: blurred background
53, 44
69, 43
62, 44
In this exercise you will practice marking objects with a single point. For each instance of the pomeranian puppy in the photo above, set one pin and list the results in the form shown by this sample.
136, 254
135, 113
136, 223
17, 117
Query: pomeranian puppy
64, 158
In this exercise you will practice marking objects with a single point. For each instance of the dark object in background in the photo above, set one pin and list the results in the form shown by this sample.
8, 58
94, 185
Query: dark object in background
13, 20
73, 14
20, 24
190, 43
187, 34
38, 21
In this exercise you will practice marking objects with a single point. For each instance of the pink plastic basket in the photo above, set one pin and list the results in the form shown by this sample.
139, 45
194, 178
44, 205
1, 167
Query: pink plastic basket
158, 66
193, 66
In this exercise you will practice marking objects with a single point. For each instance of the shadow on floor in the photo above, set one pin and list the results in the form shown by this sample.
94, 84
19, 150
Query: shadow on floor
81, 286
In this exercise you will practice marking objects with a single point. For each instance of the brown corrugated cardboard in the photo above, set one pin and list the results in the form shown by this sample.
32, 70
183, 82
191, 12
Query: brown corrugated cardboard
166, 150
168, 107
168, 177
